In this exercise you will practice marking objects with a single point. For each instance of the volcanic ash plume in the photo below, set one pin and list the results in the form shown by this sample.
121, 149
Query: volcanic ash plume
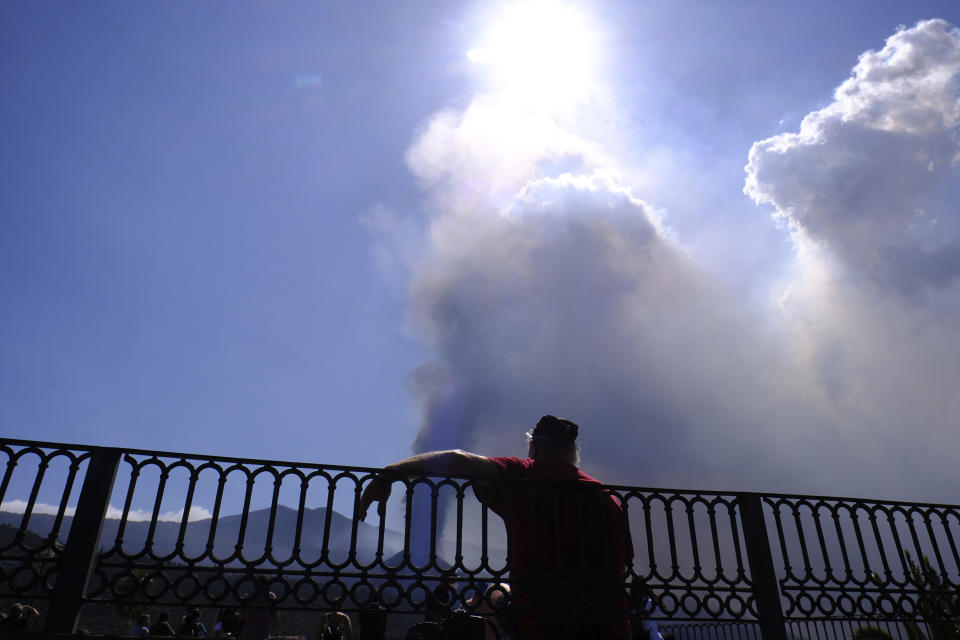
568, 299
545, 285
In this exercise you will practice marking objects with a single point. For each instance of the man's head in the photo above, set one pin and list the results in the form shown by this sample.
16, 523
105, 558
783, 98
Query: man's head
554, 438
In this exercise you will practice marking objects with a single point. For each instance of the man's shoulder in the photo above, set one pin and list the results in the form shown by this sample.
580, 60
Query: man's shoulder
546, 470
586, 478
512, 465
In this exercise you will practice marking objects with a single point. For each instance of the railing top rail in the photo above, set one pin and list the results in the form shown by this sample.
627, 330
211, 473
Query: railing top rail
318, 465
865, 501
766, 557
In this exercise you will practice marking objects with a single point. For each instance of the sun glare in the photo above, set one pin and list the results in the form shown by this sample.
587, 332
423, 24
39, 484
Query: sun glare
542, 52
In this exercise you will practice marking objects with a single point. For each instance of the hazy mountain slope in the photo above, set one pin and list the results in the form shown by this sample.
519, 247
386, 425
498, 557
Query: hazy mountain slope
227, 536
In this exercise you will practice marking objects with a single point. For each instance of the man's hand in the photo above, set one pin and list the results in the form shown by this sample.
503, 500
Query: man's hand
454, 462
377, 491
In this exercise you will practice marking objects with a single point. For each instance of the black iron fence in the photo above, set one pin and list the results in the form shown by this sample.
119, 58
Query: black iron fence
82, 525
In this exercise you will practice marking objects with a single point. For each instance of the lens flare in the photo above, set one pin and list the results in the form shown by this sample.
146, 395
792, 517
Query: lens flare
541, 52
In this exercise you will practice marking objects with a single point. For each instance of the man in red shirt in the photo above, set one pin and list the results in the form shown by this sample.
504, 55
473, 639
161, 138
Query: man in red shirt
568, 538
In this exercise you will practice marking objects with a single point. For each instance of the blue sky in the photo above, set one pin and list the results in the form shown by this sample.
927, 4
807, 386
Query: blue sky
264, 230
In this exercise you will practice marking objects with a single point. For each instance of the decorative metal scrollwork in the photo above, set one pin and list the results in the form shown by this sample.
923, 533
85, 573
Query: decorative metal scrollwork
850, 558
215, 531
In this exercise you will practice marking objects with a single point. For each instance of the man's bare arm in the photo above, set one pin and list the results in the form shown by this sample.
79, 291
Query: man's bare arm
455, 462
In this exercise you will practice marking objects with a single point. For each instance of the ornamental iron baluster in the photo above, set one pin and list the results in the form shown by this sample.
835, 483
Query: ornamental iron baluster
80, 552
840, 559
762, 574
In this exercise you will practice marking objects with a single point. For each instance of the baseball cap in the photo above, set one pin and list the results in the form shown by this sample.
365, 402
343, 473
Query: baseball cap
556, 428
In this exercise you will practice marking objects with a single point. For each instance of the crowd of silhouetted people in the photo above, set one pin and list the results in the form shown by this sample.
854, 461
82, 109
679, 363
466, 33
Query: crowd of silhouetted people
485, 616
190, 625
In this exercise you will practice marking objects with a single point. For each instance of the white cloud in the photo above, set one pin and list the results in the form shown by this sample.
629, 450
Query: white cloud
866, 176
141, 515
135, 515
869, 186
20, 506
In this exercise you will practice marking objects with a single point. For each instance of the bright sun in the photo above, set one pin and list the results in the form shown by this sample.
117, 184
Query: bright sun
540, 52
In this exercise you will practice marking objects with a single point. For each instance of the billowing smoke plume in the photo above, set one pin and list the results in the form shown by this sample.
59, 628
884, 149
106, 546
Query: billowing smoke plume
869, 187
545, 285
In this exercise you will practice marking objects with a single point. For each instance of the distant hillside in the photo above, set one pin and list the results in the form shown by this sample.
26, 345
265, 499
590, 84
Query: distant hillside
226, 538
227, 535
30, 540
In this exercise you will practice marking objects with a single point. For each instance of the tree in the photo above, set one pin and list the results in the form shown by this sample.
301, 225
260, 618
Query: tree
937, 605
870, 633
131, 593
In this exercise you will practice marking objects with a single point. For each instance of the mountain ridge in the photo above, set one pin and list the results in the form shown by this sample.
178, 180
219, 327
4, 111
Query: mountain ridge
226, 545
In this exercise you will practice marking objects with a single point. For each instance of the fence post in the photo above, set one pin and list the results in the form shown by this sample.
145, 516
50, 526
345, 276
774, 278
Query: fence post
80, 551
766, 592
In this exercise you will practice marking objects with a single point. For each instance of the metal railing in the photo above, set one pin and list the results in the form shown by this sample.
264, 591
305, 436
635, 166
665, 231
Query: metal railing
101, 525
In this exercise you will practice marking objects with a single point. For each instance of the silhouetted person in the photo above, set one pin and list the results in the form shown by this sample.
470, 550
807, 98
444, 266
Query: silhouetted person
142, 628
460, 625
162, 626
642, 603
569, 541
439, 603
191, 625
373, 619
228, 623
335, 625
260, 611
481, 603
424, 631
18, 618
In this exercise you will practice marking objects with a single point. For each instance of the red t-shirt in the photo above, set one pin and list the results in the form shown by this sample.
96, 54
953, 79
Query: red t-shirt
568, 545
